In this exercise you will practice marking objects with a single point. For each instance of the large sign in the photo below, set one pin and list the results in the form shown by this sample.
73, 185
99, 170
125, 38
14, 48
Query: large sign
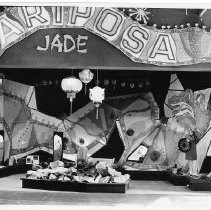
141, 43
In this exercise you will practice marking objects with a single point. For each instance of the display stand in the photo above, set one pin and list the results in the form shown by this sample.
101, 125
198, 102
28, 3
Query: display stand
178, 180
147, 175
199, 184
74, 186
14, 169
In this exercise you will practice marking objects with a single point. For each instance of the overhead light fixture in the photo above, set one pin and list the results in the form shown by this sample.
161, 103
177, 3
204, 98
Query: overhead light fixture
97, 95
71, 86
86, 76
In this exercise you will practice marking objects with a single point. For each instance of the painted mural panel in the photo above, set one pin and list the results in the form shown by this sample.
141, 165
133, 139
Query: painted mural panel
139, 42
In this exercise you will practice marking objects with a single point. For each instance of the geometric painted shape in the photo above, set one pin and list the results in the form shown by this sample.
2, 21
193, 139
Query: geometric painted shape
45, 119
209, 151
175, 88
21, 135
15, 88
7, 144
32, 103
202, 148
83, 124
33, 143
138, 154
12, 108
43, 134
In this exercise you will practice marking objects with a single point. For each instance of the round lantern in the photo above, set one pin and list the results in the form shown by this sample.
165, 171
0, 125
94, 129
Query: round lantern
114, 83
140, 85
97, 95
132, 85
71, 86
123, 84
106, 82
86, 76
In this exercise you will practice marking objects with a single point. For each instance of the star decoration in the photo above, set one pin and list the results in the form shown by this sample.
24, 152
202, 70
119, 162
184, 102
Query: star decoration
140, 14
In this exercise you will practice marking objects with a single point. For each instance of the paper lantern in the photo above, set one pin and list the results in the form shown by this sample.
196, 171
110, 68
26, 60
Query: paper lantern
123, 84
114, 83
147, 83
71, 86
132, 85
97, 95
106, 82
140, 85
86, 76
44, 83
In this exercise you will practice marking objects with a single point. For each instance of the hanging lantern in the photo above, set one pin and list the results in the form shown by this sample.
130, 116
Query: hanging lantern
106, 82
86, 76
140, 85
132, 85
147, 83
114, 83
123, 84
71, 86
97, 95
44, 83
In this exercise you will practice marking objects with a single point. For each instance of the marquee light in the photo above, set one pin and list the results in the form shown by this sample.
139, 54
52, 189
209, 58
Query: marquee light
97, 95
71, 86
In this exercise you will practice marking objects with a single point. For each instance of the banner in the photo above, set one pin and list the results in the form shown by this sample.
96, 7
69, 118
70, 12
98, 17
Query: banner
141, 43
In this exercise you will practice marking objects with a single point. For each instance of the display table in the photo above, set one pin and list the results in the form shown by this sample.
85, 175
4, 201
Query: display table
199, 184
177, 180
147, 175
74, 186
15, 169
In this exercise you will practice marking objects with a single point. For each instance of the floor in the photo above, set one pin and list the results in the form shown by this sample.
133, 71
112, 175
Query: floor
146, 194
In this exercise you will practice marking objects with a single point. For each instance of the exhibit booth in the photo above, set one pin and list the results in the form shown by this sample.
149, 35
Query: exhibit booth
138, 96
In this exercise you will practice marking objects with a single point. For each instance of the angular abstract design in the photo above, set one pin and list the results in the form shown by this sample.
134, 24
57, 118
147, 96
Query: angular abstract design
83, 124
26, 130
